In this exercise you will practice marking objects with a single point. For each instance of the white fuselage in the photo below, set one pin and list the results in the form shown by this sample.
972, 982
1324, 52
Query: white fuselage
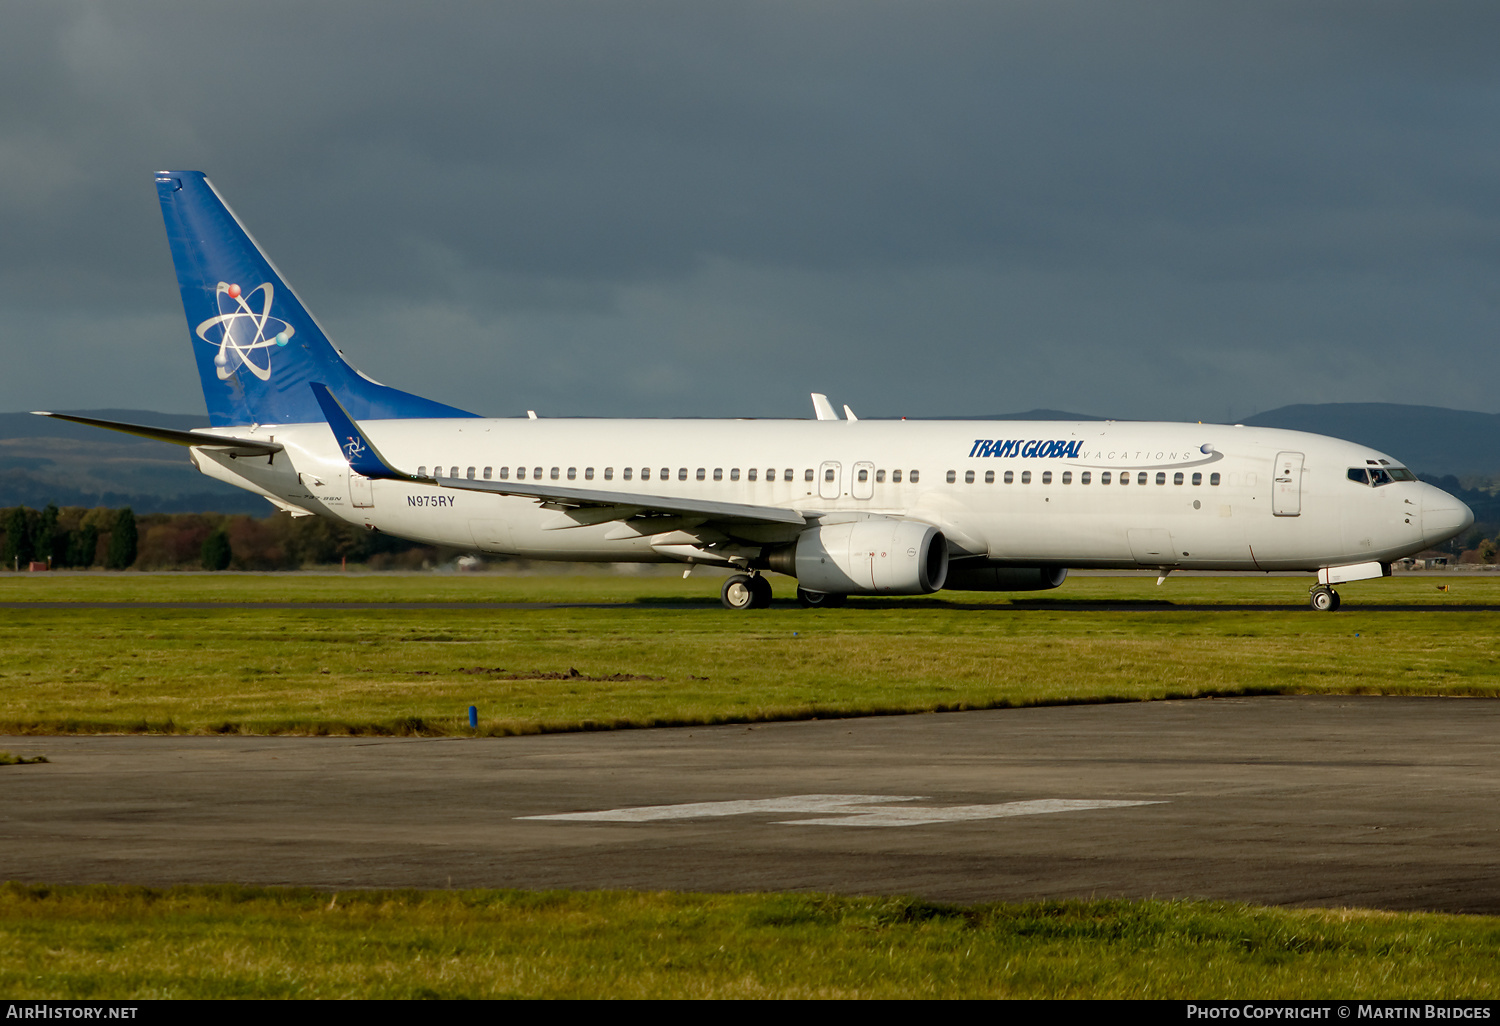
1198, 496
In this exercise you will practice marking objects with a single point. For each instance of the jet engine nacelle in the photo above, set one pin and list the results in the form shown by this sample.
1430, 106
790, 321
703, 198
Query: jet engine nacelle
879, 555
1005, 578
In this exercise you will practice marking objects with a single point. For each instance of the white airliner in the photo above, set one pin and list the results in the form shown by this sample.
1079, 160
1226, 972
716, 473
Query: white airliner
846, 506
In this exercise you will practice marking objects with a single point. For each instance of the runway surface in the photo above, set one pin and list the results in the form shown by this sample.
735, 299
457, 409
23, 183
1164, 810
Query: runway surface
1377, 802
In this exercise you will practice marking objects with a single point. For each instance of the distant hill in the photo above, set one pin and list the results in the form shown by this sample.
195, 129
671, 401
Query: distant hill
1030, 415
29, 425
43, 460
1428, 439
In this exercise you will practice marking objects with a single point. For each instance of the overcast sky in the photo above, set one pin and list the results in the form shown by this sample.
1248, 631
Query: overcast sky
1143, 210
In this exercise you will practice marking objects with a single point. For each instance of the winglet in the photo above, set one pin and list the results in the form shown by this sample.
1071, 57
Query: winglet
822, 407
361, 453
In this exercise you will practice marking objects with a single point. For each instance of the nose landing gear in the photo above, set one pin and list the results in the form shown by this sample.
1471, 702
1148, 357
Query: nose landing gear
1323, 598
746, 591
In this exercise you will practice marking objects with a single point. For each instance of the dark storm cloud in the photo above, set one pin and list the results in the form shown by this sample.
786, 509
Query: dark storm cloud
1184, 210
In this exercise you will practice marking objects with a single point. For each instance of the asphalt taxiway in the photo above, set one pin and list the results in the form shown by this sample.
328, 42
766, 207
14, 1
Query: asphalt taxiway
1375, 802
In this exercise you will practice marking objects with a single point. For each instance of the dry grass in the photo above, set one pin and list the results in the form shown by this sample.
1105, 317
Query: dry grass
234, 942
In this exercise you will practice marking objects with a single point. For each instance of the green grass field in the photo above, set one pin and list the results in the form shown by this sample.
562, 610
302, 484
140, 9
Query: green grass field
660, 651
233, 942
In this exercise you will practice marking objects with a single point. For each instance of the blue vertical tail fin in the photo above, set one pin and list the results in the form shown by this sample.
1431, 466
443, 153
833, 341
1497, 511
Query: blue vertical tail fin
257, 347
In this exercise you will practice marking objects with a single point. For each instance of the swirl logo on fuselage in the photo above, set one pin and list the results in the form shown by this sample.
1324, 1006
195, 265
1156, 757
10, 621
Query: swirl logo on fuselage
240, 332
354, 448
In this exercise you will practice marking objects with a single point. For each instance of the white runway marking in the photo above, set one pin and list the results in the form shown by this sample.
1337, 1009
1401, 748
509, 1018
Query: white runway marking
866, 810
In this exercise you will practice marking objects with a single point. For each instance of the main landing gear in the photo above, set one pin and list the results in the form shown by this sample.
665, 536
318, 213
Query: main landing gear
746, 591
1323, 598
819, 599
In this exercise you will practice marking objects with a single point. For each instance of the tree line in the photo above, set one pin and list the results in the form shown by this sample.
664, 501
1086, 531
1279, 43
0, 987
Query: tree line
73, 537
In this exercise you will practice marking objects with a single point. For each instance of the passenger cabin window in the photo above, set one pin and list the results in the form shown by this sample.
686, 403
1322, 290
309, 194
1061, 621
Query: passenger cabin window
989, 477
1010, 477
1125, 478
1197, 479
572, 473
1141, 478
750, 474
1084, 478
1026, 477
1067, 477
1046, 477
453, 472
827, 474
666, 473
609, 473
734, 474
915, 477
864, 475
556, 473
536, 473
588, 473
809, 475
1213, 479
895, 477
787, 475
953, 477
880, 477
1161, 477
645, 473
718, 473
471, 473
624, 473
1177, 478
1104, 477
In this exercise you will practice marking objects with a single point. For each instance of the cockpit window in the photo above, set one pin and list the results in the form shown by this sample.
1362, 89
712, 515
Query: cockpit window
1377, 476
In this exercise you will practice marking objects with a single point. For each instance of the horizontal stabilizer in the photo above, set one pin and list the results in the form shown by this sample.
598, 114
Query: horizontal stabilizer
204, 439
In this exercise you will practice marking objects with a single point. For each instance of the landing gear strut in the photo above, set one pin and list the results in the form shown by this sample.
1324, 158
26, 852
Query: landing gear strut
746, 591
1323, 598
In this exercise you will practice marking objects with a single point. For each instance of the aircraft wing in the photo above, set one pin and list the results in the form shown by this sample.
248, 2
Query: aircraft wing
205, 439
629, 503
365, 459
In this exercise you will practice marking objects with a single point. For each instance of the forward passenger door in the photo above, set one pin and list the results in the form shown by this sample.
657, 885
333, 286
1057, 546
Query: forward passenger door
1286, 486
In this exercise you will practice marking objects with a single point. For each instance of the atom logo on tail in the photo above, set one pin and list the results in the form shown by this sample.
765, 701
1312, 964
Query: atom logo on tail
243, 332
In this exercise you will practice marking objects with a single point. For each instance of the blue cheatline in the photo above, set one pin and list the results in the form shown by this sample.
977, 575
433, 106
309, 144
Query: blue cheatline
256, 345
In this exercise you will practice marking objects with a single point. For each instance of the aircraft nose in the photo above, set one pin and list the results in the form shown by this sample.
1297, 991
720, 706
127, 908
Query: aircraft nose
1443, 516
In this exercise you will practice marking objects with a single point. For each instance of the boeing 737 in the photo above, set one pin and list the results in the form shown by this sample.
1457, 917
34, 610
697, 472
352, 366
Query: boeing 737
846, 506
